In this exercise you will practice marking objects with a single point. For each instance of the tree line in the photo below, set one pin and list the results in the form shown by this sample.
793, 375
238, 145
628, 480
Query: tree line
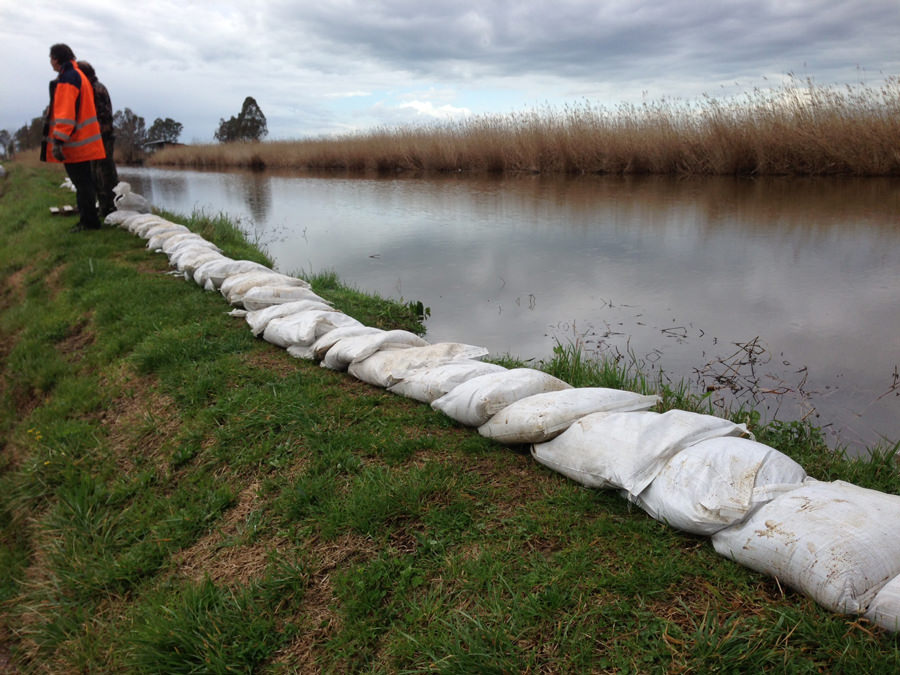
132, 134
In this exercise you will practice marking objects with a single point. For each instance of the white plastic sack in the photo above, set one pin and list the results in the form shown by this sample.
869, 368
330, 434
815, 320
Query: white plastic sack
322, 345
717, 483
538, 418
150, 229
118, 217
188, 259
627, 449
236, 286
836, 542
475, 401
261, 297
884, 610
429, 384
160, 236
356, 348
213, 273
258, 319
304, 327
387, 367
127, 200
137, 224
317, 350
178, 241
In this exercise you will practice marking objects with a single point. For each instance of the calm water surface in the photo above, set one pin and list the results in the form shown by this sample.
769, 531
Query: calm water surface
781, 292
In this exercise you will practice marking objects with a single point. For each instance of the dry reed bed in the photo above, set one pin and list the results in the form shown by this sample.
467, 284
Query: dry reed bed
793, 130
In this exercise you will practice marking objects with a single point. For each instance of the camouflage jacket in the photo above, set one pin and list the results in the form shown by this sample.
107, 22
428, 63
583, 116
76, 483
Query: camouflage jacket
104, 109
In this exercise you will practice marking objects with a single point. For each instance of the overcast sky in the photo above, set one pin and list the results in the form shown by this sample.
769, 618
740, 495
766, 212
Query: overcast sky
320, 67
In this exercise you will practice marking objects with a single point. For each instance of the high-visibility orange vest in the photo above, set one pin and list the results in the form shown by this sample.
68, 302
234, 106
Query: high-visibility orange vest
73, 118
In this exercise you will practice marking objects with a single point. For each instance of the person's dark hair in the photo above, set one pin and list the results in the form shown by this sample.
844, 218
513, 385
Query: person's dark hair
88, 70
62, 53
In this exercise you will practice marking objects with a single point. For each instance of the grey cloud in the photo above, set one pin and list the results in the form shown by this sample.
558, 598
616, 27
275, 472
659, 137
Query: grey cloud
586, 39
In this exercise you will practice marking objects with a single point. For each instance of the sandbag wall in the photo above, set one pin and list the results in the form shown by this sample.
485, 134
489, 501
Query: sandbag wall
834, 541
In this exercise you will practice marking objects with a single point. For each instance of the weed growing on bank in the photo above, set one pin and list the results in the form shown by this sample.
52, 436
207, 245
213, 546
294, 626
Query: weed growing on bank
799, 128
179, 496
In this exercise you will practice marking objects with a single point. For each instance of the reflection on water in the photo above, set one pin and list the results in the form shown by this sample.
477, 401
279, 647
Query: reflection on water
781, 292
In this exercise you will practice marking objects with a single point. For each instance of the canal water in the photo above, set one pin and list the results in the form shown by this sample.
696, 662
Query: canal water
783, 293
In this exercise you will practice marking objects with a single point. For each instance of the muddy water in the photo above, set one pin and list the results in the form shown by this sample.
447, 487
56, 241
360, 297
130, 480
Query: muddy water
781, 292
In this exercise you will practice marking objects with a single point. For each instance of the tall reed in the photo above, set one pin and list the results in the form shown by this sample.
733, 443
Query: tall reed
799, 128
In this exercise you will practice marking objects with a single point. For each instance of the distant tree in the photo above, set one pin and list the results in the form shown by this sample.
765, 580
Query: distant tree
29, 135
167, 130
131, 134
5, 142
249, 125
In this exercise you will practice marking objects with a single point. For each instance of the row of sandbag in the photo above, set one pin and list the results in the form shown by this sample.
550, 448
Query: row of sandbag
834, 541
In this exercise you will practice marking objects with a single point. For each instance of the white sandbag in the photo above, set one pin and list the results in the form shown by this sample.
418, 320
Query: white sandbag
836, 542
627, 449
118, 217
303, 328
127, 200
359, 347
317, 350
305, 352
160, 235
182, 240
884, 610
429, 384
236, 286
148, 230
188, 259
258, 319
261, 297
538, 418
475, 401
135, 224
717, 483
323, 344
213, 273
387, 367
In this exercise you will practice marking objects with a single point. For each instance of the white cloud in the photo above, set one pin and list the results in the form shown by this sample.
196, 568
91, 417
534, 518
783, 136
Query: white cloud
315, 66
428, 109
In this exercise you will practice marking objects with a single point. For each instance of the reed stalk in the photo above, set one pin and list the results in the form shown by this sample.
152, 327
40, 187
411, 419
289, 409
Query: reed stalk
799, 128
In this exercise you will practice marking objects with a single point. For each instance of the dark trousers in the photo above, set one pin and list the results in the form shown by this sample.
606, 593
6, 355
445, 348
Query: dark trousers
85, 192
106, 177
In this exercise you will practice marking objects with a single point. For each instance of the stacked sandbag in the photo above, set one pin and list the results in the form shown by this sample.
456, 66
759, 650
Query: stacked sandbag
430, 383
476, 400
160, 235
834, 541
718, 483
541, 417
236, 286
388, 367
127, 200
119, 216
627, 450
884, 610
210, 275
304, 328
260, 297
258, 319
361, 346
318, 349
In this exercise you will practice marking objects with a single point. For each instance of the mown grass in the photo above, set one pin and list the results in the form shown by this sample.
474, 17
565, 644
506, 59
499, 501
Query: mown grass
177, 496
797, 128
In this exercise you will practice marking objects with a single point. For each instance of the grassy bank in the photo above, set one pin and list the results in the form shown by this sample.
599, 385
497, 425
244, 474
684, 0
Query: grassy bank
177, 496
796, 129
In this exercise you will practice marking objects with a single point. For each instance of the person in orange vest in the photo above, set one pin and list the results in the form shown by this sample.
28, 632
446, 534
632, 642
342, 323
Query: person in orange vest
73, 132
